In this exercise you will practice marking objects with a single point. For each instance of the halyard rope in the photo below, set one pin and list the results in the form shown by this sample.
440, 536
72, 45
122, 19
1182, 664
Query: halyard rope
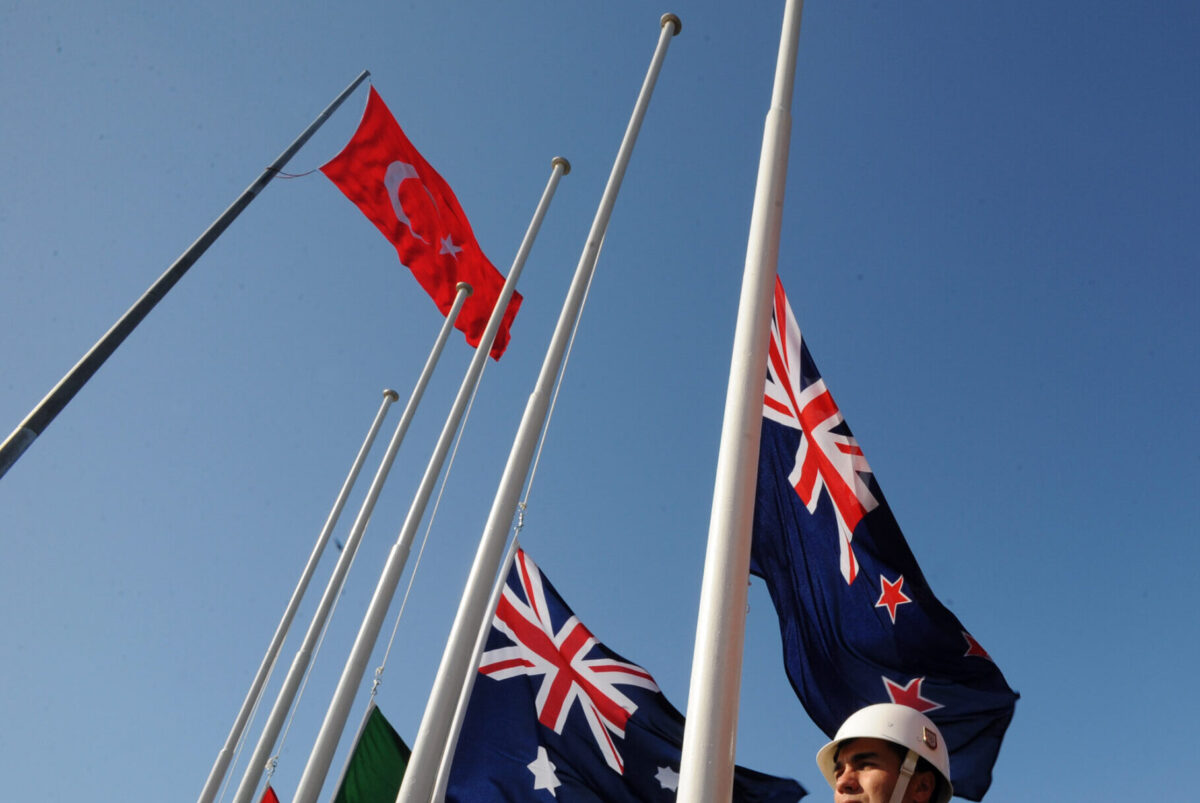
425, 538
522, 506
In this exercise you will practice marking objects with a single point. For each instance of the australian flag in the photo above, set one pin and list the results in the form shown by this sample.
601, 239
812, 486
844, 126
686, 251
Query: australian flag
860, 624
556, 715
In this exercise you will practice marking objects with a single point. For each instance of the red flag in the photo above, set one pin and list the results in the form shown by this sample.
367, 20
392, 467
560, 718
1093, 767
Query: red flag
384, 175
269, 796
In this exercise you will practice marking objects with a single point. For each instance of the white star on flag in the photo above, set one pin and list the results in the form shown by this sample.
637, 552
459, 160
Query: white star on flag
448, 247
543, 773
667, 778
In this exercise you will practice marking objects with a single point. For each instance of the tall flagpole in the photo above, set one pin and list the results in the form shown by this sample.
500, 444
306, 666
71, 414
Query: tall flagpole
420, 777
221, 765
710, 733
323, 750
62, 393
291, 684
464, 694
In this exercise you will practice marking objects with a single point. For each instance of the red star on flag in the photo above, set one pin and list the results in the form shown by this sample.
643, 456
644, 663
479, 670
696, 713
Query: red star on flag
974, 648
910, 695
891, 596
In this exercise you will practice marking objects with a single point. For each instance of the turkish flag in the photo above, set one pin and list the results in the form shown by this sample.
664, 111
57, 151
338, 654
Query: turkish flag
384, 175
269, 795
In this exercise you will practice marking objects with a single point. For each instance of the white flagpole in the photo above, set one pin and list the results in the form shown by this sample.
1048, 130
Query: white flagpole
221, 765
420, 777
291, 684
464, 695
710, 734
323, 750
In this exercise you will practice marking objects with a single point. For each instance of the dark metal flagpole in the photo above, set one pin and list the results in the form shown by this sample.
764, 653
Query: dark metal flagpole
36, 422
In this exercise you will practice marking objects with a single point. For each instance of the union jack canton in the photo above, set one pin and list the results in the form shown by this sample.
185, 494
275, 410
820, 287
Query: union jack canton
555, 715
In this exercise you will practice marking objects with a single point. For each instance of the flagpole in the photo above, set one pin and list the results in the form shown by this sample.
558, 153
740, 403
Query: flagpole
291, 684
464, 695
710, 735
221, 765
343, 698
40, 417
420, 777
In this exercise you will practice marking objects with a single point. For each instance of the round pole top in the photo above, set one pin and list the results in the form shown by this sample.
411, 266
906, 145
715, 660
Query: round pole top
671, 18
558, 160
388, 393
464, 286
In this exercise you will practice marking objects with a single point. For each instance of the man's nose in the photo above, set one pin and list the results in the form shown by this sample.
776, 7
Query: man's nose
847, 780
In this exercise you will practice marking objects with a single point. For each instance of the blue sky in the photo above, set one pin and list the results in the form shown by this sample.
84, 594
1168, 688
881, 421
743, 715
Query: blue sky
990, 242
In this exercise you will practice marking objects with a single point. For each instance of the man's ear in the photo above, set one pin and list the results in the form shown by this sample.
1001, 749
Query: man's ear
922, 787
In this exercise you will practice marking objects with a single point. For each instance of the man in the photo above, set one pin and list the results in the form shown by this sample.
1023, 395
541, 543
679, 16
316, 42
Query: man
887, 753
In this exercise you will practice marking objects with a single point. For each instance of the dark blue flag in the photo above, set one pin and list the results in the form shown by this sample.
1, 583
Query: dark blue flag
556, 715
860, 624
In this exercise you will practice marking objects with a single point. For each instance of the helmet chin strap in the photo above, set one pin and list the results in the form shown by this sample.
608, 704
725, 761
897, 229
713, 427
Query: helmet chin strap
906, 773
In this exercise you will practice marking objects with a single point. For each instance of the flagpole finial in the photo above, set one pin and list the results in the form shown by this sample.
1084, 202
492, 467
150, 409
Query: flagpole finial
464, 287
388, 393
671, 18
558, 160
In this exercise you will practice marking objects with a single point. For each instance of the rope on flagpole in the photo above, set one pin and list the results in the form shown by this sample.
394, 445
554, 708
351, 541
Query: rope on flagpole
537, 455
241, 742
273, 761
522, 506
518, 526
280, 174
378, 679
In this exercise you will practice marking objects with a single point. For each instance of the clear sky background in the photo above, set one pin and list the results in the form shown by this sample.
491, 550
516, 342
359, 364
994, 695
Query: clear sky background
991, 242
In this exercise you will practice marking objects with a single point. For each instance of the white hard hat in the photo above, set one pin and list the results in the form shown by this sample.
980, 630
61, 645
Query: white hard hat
900, 725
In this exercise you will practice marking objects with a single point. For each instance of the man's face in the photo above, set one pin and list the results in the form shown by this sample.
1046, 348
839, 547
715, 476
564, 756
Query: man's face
866, 771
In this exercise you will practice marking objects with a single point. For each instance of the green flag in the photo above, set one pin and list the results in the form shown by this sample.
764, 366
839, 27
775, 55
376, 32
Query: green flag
377, 764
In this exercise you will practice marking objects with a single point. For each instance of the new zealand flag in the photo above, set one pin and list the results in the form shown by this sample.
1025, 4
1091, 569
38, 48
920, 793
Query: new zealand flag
556, 715
860, 624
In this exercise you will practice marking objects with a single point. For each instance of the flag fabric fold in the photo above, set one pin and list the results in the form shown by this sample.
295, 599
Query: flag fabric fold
860, 624
415, 209
376, 765
556, 715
